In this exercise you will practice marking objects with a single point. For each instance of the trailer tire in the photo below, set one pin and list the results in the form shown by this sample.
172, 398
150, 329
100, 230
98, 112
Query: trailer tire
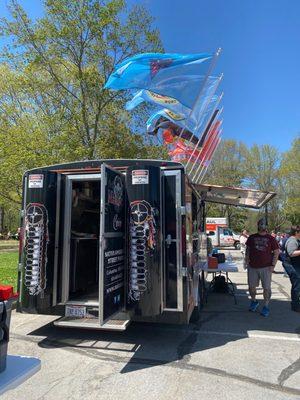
237, 245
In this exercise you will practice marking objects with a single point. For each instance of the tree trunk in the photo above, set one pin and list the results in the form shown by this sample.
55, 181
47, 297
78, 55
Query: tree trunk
1, 219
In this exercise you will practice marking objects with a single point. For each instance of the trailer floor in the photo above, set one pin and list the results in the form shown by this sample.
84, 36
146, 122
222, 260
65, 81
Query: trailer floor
229, 354
92, 296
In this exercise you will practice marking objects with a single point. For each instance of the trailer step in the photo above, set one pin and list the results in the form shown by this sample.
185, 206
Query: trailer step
88, 303
92, 323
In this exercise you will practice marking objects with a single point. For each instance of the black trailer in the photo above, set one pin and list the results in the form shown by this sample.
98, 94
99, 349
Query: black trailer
107, 242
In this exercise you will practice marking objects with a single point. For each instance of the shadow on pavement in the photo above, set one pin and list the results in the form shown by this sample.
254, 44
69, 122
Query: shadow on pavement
145, 345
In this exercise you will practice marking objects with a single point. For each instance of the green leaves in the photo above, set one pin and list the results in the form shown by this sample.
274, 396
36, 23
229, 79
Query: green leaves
290, 174
258, 167
53, 107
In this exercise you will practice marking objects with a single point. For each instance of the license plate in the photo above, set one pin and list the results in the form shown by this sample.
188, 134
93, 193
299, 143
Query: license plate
75, 311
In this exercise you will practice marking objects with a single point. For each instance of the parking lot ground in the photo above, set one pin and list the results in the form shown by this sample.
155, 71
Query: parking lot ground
229, 353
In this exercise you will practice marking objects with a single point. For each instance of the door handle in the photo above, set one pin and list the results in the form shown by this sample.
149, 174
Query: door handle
168, 240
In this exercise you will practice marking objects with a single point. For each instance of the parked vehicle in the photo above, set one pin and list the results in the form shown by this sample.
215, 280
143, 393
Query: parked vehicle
220, 234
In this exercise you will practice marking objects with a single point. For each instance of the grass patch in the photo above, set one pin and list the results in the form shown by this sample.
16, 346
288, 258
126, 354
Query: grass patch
9, 268
11, 243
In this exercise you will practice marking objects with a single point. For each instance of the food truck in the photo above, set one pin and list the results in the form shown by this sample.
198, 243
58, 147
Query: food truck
220, 233
107, 242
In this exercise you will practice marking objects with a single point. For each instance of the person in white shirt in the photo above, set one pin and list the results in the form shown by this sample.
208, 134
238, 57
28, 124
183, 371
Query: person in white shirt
243, 239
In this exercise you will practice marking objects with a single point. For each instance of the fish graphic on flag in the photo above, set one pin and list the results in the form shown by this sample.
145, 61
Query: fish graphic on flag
182, 120
146, 70
191, 118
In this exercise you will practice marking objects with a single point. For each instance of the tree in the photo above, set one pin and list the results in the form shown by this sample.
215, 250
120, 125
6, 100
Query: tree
262, 172
290, 172
228, 169
53, 107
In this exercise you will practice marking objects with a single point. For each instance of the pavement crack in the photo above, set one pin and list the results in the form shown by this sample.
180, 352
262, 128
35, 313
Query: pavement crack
287, 372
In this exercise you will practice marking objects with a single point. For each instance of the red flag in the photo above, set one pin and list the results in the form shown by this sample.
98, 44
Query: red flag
182, 152
212, 151
212, 135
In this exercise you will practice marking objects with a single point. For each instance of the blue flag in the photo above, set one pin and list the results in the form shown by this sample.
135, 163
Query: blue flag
191, 117
180, 119
166, 74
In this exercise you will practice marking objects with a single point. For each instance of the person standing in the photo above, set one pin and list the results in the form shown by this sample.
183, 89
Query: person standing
291, 264
243, 239
261, 256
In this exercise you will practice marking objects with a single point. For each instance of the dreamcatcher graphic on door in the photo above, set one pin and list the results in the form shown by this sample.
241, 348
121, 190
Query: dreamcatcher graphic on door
142, 240
36, 237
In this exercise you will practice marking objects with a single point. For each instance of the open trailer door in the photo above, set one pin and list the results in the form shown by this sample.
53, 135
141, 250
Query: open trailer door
112, 257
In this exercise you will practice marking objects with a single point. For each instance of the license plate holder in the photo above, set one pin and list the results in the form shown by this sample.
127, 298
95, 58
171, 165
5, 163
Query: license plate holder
75, 311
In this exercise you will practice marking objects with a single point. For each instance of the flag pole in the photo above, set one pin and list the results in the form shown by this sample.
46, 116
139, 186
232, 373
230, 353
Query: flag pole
208, 126
206, 169
211, 67
210, 145
204, 109
200, 179
202, 136
203, 171
209, 148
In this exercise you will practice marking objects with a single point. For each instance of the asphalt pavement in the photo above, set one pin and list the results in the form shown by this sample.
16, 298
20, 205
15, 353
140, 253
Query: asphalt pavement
229, 353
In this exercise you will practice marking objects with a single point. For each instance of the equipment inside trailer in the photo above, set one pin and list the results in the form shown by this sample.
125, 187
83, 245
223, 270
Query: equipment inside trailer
82, 236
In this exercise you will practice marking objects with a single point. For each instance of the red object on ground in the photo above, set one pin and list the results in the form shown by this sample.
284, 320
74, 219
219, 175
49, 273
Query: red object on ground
7, 292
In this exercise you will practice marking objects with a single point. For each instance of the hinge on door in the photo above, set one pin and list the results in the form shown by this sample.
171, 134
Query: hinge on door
20, 265
182, 210
183, 271
104, 178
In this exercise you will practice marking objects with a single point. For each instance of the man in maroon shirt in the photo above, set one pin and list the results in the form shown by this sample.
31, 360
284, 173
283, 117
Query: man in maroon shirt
261, 256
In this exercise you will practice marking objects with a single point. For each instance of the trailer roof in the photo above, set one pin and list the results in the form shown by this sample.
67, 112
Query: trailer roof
96, 164
242, 197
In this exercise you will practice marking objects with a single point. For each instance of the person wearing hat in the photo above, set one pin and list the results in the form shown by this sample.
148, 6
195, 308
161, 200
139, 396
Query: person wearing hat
262, 252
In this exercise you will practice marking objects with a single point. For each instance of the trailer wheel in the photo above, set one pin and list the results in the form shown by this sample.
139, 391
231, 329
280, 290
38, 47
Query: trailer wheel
237, 245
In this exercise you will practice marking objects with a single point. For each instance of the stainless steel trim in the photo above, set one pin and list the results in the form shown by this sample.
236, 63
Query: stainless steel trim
177, 174
83, 323
162, 247
101, 243
67, 229
56, 241
88, 303
23, 238
66, 243
102, 240
178, 245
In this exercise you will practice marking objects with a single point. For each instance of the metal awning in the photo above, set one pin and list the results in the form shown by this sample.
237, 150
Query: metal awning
250, 198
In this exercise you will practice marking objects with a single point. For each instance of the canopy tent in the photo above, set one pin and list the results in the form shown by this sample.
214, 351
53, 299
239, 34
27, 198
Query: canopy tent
250, 198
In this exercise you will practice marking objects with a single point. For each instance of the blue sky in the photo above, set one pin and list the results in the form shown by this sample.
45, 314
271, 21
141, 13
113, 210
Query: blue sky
260, 59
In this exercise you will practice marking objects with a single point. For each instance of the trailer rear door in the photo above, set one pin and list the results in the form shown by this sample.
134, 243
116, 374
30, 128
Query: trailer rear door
172, 235
112, 260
